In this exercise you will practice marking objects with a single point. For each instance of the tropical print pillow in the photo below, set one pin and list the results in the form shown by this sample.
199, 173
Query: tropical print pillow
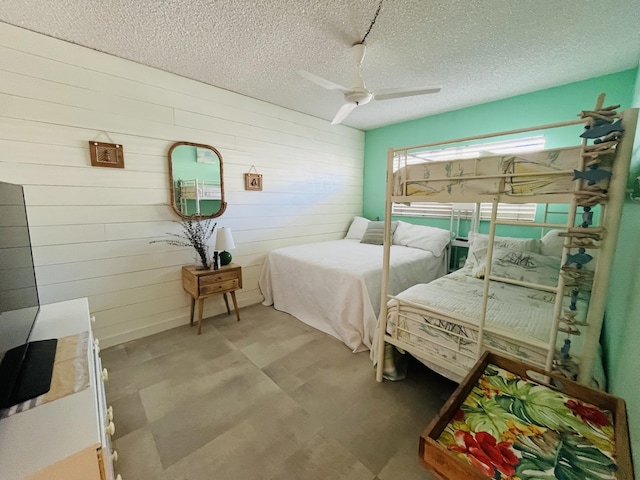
517, 265
513, 428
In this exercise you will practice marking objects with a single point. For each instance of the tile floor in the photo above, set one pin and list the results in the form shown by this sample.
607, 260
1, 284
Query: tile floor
264, 398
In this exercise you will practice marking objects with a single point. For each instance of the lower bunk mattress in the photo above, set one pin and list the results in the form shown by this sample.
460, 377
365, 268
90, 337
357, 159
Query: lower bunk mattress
440, 320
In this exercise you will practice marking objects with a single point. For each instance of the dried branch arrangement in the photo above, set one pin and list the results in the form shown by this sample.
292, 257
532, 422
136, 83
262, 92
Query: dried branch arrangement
195, 233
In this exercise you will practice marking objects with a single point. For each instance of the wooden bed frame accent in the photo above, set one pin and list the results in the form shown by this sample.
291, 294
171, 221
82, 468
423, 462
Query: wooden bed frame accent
445, 465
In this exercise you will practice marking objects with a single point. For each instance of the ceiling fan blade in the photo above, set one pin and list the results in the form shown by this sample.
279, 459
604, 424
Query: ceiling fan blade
321, 81
403, 92
346, 109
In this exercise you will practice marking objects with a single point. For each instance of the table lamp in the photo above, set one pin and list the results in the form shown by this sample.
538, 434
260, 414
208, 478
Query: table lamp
224, 242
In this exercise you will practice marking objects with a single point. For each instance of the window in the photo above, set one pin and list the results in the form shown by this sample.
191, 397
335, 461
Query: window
506, 211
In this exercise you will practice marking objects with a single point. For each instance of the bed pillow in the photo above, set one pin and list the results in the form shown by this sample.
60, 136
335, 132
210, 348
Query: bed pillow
400, 236
519, 265
431, 239
480, 241
375, 232
357, 228
551, 243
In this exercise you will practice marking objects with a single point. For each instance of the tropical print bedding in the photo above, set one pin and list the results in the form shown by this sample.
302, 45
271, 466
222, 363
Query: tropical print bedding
512, 428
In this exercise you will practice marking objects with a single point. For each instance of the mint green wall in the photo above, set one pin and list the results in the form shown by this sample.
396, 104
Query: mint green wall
622, 325
622, 319
187, 167
538, 108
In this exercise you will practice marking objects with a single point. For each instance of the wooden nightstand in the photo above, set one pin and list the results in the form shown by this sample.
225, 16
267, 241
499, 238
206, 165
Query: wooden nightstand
201, 284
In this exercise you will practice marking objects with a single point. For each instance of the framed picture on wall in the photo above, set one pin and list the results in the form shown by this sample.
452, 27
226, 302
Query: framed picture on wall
252, 181
106, 154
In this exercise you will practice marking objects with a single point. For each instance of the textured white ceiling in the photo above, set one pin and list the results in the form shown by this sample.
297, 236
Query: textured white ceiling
477, 50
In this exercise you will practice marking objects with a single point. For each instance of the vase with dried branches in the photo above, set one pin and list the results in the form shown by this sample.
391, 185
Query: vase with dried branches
196, 233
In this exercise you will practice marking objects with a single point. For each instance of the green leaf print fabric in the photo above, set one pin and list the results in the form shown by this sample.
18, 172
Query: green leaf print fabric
515, 429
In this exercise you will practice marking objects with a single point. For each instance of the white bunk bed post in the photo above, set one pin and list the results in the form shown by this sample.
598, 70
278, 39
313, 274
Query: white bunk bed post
196, 185
475, 222
611, 223
386, 256
487, 278
448, 252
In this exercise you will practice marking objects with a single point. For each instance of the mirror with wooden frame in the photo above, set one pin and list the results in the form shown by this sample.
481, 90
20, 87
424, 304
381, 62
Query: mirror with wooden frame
196, 180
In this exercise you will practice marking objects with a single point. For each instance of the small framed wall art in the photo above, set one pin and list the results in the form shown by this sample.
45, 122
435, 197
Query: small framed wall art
253, 180
106, 154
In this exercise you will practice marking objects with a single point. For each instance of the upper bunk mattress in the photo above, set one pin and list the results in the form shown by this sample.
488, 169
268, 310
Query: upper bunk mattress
548, 172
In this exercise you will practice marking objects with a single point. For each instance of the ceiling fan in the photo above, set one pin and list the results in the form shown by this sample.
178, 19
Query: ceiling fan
358, 94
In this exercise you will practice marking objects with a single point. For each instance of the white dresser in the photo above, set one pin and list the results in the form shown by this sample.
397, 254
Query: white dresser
68, 438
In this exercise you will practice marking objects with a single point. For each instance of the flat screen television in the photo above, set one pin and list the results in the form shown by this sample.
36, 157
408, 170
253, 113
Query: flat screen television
25, 366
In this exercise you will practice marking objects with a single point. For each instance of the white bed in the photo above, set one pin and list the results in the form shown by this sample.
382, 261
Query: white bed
335, 286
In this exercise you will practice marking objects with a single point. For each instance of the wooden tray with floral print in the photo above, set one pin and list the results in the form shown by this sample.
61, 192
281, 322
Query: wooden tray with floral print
502, 424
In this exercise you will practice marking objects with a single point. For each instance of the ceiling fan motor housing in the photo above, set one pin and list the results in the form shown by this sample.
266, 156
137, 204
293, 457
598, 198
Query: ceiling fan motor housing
360, 96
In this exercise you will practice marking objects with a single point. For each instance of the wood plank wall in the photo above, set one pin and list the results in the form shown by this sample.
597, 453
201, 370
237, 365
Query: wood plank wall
91, 226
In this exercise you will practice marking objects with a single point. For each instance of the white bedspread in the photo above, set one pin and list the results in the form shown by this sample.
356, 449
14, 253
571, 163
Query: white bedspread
335, 286
524, 312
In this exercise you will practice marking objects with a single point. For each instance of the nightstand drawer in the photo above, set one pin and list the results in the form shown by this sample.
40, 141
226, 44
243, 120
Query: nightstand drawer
218, 277
219, 287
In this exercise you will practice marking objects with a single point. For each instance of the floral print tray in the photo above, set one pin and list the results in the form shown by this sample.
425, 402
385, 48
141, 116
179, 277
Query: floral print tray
509, 427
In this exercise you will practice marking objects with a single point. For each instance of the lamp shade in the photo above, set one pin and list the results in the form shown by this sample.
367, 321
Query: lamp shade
224, 239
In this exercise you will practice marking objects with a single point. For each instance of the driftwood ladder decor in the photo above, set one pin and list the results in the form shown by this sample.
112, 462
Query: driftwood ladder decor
604, 129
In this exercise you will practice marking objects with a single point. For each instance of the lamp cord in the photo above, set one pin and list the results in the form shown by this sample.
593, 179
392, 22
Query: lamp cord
372, 22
